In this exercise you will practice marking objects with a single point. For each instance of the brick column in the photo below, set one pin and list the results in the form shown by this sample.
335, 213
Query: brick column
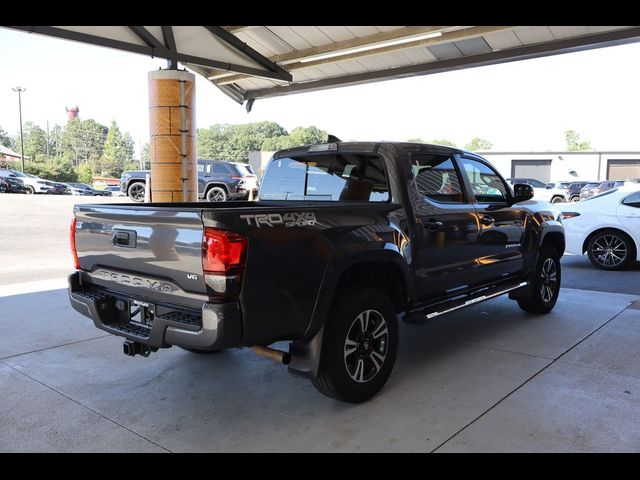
172, 125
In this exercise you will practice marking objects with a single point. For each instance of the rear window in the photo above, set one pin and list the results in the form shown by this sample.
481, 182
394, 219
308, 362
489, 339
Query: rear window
328, 177
245, 169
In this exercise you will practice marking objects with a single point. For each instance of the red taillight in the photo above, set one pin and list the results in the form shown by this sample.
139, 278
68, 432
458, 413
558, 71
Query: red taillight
72, 240
565, 215
222, 250
223, 256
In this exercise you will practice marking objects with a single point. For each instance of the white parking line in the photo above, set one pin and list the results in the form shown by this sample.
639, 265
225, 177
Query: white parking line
31, 287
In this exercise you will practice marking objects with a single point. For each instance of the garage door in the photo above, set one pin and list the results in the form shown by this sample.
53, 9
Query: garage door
623, 169
538, 169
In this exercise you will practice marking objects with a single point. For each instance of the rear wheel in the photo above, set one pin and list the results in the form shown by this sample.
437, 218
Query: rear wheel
216, 194
136, 191
359, 347
544, 286
557, 200
30, 190
611, 249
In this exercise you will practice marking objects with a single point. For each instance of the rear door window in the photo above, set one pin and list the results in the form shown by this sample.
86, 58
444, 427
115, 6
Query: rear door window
327, 177
220, 168
437, 178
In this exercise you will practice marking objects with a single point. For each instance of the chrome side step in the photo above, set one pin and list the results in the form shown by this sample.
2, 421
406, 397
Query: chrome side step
482, 298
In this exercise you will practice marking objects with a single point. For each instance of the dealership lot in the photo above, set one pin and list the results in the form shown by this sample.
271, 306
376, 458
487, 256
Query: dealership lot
487, 378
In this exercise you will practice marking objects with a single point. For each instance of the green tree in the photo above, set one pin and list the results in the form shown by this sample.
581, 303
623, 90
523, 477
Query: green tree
444, 141
250, 136
35, 142
55, 137
117, 153
57, 169
478, 143
234, 142
83, 141
85, 174
5, 139
145, 156
213, 141
573, 142
299, 136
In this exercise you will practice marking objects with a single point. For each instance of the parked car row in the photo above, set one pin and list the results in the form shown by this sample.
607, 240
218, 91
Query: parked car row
594, 188
13, 181
569, 191
551, 193
217, 181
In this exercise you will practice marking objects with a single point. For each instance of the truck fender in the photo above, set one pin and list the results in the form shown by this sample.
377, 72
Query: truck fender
305, 354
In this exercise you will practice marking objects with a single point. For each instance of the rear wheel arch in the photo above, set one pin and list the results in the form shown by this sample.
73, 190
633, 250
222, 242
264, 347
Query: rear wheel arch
600, 230
211, 185
556, 240
383, 273
386, 274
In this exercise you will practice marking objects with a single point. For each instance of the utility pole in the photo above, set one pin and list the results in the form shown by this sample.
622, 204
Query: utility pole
48, 141
20, 90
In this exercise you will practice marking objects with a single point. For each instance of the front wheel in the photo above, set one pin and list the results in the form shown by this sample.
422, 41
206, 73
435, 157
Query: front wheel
359, 347
555, 200
544, 287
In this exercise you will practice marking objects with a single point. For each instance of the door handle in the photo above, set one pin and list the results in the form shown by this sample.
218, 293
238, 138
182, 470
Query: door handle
487, 220
433, 224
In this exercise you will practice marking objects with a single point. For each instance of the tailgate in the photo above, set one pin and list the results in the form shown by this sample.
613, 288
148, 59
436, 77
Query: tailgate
146, 251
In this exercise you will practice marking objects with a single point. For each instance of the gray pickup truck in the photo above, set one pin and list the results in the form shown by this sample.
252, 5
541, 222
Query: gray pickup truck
345, 239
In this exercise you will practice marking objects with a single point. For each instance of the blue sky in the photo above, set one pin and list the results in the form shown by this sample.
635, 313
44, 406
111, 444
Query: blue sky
523, 105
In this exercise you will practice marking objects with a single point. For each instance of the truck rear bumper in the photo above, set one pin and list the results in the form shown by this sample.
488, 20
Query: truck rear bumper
215, 326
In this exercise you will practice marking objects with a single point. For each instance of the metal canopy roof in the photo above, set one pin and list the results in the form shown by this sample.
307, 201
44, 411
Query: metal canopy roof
251, 62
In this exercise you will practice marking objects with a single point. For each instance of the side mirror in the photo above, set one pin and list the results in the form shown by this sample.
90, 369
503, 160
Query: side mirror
522, 192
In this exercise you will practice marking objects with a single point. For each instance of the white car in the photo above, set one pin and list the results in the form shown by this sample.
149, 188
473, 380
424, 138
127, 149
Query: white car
249, 176
541, 191
34, 185
606, 227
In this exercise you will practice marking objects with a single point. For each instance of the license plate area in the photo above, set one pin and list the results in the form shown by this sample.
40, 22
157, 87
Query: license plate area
141, 313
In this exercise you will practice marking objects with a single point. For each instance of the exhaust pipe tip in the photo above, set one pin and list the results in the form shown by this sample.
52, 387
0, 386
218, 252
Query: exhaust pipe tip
278, 356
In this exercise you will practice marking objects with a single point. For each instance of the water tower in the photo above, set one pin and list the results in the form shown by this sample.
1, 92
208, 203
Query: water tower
72, 112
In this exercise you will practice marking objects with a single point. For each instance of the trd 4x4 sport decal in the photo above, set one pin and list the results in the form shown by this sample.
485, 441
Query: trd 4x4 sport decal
294, 219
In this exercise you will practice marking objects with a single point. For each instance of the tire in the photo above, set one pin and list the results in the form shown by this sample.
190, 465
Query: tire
363, 371
544, 283
30, 190
136, 191
611, 249
555, 200
200, 352
216, 194
575, 198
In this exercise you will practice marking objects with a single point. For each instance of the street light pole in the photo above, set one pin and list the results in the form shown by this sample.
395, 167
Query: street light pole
20, 90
